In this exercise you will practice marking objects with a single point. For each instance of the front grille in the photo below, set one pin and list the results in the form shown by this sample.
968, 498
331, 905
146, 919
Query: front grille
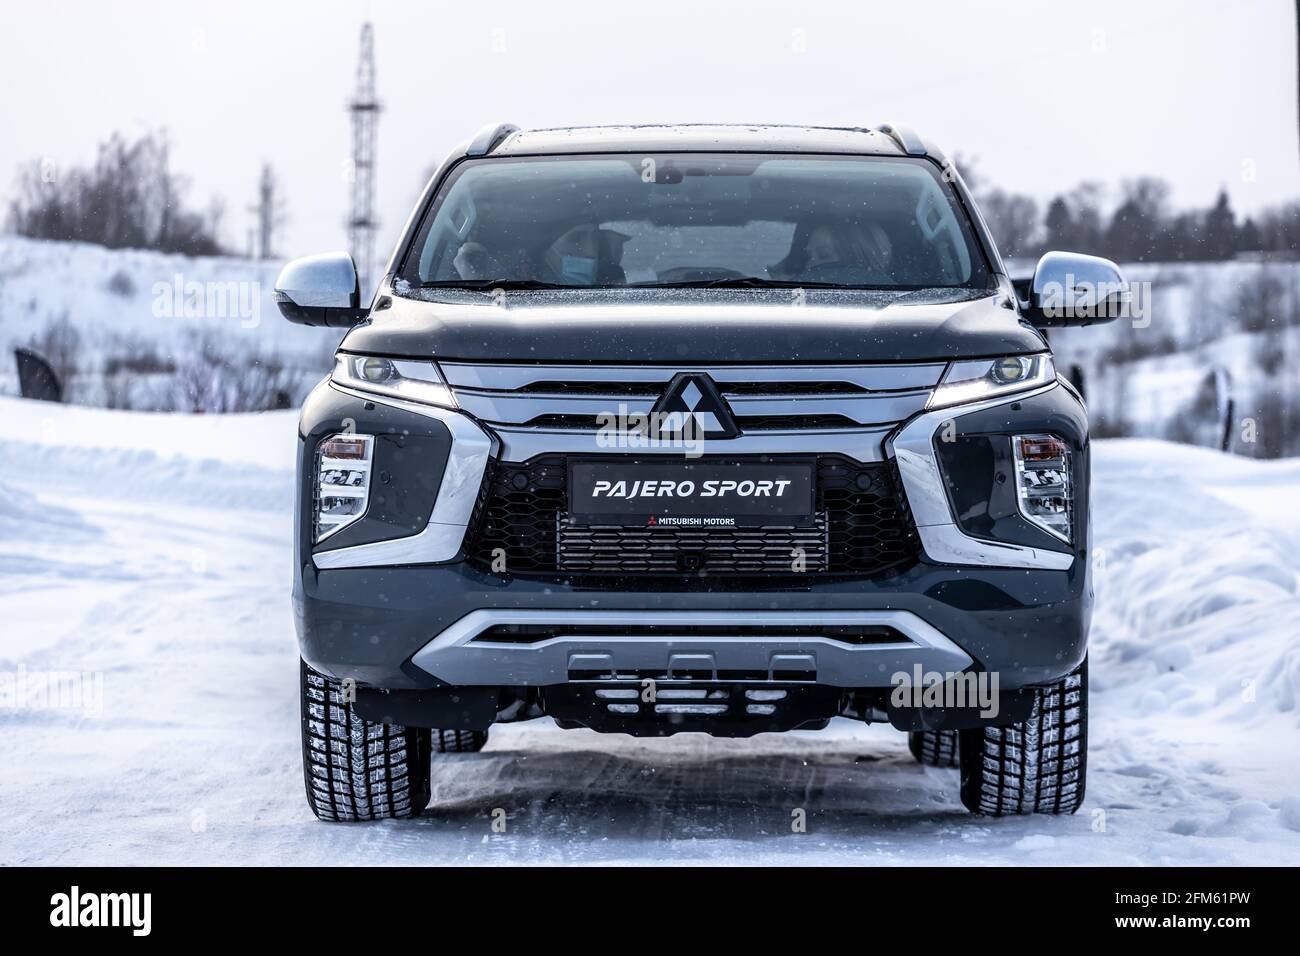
762, 550
862, 528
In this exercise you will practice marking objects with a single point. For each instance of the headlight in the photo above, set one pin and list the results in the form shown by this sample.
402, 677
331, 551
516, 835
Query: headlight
1043, 482
342, 481
414, 381
970, 381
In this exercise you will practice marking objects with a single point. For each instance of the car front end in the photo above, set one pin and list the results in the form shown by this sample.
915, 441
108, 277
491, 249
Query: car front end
580, 479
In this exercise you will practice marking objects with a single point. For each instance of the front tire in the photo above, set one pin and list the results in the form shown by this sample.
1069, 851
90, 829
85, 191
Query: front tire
356, 769
1039, 765
934, 748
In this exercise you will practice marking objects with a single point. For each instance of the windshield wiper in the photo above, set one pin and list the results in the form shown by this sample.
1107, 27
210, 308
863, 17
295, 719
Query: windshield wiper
741, 282
729, 282
508, 285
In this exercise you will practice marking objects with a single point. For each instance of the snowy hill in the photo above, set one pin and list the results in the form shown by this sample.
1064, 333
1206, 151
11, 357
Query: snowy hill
152, 554
1154, 377
145, 314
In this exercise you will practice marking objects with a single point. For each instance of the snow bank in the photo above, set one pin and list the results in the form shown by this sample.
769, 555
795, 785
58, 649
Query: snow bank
1197, 572
147, 311
22, 514
121, 291
217, 461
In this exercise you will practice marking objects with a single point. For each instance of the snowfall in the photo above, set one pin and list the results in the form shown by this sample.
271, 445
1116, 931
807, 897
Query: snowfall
151, 553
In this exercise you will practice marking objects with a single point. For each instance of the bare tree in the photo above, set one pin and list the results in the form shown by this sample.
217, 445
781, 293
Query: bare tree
1014, 221
129, 198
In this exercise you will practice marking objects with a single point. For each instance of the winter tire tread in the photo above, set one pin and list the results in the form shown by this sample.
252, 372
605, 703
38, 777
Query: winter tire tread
355, 769
1038, 765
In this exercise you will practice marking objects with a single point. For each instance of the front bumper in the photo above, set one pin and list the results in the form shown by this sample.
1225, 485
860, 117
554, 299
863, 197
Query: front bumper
1020, 608
407, 627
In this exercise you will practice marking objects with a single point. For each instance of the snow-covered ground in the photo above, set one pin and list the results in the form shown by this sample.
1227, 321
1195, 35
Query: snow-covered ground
151, 553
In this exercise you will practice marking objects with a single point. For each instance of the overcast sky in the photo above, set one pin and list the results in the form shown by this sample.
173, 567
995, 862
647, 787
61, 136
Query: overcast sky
1044, 94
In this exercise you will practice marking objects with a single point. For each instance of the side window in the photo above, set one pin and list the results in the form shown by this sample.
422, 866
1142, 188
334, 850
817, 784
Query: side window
942, 235
452, 227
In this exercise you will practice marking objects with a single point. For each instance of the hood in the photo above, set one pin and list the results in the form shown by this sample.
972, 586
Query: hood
693, 325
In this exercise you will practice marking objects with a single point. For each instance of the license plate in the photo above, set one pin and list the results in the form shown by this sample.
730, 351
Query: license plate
681, 494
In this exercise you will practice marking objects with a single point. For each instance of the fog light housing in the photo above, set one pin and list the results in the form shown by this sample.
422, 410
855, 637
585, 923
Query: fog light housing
1043, 483
342, 481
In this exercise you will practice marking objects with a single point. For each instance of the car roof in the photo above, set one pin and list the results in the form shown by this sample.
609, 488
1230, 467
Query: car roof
702, 138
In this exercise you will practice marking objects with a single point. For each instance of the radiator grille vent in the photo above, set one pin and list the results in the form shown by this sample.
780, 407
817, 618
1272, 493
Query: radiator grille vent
862, 527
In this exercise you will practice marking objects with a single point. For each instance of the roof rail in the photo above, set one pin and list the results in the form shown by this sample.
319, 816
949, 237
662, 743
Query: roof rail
905, 137
489, 138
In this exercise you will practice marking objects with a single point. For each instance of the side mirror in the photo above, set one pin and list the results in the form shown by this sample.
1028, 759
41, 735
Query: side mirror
1073, 289
320, 290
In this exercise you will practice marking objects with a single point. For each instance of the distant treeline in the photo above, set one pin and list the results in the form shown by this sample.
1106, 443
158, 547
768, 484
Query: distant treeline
129, 198
1140, 228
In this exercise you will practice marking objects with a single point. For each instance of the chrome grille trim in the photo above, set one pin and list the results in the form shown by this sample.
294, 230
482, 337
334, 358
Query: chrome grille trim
870, 378
500, 408
868, 410
841, 395
503, 408
862, 445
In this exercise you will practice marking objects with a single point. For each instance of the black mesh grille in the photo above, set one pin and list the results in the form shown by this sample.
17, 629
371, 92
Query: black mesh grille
870, 525
767, 550
863, 527
760, 423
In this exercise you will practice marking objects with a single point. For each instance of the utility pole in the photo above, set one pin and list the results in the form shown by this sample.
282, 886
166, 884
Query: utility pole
364, 108
270, 214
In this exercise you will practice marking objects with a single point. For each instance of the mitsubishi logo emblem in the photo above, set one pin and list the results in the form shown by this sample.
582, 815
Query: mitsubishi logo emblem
692, 404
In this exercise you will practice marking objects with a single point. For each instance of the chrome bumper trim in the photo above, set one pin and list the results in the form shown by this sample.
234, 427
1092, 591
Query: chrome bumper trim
442, 537
456, 657
941, 537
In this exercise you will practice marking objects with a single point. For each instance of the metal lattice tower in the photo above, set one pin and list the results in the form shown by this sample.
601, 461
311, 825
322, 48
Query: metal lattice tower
364, 107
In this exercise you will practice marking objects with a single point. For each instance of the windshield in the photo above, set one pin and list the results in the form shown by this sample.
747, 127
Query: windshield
696, 219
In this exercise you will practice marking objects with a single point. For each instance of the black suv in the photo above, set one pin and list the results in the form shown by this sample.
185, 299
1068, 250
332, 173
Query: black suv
694, 428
